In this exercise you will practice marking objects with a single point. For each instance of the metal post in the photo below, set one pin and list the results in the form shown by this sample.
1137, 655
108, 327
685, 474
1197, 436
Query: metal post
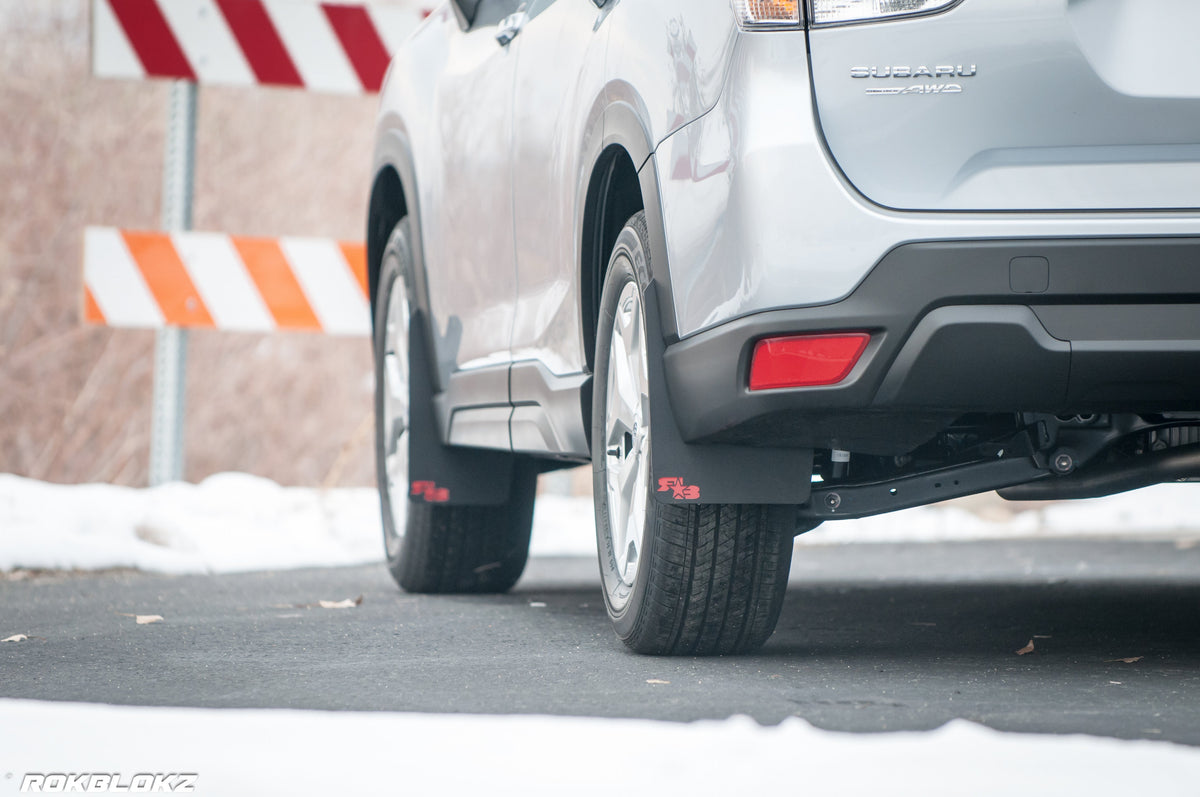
170, 345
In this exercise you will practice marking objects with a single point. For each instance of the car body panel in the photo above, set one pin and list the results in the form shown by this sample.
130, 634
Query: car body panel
583, 72
560, 72
501, 271
668, 60
758, 216
462, 176
1017, 105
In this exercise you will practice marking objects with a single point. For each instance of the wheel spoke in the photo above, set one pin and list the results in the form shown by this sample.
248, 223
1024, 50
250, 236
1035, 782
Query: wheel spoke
395, 406
622, 390
628, 479
626, 433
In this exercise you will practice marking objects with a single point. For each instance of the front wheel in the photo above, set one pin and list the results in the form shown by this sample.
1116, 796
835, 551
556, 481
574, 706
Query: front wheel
691, 579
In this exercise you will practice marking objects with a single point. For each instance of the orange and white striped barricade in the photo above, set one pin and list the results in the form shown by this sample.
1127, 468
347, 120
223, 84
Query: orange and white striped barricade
152, 280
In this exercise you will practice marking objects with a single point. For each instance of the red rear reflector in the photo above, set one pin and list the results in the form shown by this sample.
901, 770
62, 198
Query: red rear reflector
805, 360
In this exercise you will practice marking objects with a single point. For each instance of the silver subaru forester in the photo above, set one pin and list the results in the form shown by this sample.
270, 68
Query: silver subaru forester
765, 264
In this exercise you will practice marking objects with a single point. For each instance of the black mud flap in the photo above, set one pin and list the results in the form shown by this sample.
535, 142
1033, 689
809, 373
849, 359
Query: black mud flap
437, 473
713, 474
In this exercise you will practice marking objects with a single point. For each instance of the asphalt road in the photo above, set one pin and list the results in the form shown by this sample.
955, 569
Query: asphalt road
872, 638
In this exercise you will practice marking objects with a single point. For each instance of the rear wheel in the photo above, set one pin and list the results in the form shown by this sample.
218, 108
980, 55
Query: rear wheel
694, 579
432, 547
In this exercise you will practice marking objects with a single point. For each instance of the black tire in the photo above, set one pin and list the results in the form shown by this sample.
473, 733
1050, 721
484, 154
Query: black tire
708, 578
434, 548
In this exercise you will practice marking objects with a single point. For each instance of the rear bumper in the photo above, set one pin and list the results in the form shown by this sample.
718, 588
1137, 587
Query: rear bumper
1059, 326
758, 217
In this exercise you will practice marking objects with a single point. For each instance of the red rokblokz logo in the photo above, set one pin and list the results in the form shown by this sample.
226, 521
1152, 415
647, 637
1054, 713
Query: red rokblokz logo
679, 490
431, 492
93, 782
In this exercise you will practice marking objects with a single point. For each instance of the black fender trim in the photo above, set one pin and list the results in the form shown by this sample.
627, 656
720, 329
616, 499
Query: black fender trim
622, 125
652, 200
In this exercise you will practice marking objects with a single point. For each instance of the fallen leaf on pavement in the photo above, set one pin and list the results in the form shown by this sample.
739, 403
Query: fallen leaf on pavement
1027, 649
143, 619
656, 681
348, 603
15, 638
1130, 660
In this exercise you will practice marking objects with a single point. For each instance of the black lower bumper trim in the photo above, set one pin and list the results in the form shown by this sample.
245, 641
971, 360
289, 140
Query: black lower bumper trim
1115, 328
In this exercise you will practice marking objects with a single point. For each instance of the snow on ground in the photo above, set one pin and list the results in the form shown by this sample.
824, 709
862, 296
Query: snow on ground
236, 522
236, 752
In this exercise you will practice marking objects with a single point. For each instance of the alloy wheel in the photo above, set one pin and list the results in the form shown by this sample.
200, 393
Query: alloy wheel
627, 434
396, 410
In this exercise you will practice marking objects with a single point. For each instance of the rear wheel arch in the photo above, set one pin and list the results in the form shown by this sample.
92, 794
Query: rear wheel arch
613, 196
393, 197
388, 204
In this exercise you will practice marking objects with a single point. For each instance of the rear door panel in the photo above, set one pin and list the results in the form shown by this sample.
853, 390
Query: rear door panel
559, 78
467, 209
1017, 105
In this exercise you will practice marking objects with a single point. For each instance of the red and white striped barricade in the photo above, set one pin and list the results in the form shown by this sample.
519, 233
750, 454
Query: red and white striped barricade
334, 47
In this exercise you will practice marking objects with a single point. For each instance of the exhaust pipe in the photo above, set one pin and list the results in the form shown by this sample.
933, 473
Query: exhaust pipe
1175, 464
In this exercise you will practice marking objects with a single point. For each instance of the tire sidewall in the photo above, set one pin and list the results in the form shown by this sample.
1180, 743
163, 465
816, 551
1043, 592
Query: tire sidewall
628, 263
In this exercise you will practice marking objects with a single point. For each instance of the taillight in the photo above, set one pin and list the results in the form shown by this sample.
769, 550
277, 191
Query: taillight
805, 360
832, 12
768, 13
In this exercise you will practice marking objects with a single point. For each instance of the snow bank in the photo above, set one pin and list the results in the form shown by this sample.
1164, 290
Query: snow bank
236, 752
235, 522
228, 523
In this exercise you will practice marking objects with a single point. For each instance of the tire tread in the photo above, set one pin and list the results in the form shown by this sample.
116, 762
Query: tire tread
464, 549
718, 575
448, 549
